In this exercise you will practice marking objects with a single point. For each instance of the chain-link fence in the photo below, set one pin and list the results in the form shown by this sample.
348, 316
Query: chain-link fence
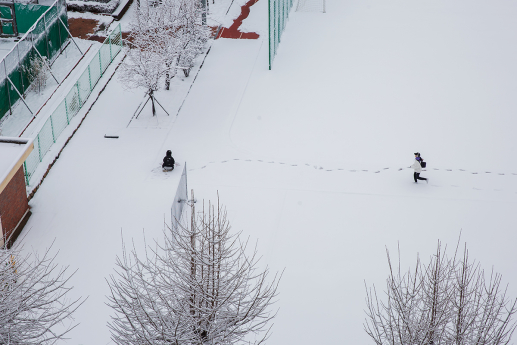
278, 14
73, 101
44, 37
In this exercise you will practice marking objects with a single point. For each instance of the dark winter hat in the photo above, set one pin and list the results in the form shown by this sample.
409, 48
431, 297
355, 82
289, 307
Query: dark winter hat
417, 153
169, 152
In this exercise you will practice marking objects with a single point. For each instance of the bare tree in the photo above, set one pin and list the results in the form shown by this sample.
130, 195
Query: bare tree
198, 287
448, 301
33, 299
192, 35
164, 36
144, 64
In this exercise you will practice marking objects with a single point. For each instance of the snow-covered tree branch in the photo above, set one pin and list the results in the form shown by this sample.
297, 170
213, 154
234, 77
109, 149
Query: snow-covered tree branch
199, 287
34, 308
164, 36
448, 301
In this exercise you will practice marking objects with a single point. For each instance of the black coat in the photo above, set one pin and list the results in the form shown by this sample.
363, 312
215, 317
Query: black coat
168, 161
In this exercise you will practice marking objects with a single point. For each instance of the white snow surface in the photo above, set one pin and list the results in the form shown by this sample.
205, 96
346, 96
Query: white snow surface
306, 158
9, 154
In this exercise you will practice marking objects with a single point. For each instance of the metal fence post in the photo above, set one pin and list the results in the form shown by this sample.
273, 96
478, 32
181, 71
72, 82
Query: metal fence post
19, 69
79, 96
26, 173
46, 38
100, 61
66, 112
7, 87
90, 78
109, 40
269, 29
39, 148
52, 128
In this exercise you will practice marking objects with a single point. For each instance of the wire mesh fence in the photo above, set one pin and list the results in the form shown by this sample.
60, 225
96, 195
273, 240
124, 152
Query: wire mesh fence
278, 15
73, 101
44, 37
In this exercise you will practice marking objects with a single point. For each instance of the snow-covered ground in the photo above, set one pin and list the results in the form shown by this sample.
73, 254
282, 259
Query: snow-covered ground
310, 158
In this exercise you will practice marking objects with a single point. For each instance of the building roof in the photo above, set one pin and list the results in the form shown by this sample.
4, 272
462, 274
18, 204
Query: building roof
13, 152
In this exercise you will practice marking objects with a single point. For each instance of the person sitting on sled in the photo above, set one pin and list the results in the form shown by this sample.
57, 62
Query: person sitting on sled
168, 162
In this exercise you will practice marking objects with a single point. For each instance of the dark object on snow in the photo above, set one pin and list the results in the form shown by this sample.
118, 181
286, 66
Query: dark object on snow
110, 136
168, 161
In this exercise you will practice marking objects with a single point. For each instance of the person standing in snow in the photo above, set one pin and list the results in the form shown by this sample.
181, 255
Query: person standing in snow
168, 161
418, 168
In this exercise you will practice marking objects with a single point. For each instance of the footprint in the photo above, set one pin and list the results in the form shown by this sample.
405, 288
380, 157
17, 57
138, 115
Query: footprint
474, 173
488, 172
377, 172
307, 164
280, 163
352, 170
501, 174
294, 165
260, 160
224, 161
448, 169
236, 159
248, 160
340, 169
271, 162
385, 168
365, 170
204, 166
476, 188
461, 169
453, 185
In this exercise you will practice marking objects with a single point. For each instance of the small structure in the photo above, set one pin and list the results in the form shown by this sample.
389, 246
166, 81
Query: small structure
8, 21
14, 207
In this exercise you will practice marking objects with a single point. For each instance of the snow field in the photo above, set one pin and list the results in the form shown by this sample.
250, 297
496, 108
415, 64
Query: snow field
361, 87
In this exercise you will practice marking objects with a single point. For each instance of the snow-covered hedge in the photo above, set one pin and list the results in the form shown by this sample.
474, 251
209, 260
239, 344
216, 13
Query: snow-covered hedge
106, 6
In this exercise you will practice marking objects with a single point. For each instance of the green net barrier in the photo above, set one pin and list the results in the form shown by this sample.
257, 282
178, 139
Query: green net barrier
278, 15
73, 101
46, 32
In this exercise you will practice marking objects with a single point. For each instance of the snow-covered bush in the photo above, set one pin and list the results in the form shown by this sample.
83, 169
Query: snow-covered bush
99, 6
200, 287
37, 73
33, 299
448, 301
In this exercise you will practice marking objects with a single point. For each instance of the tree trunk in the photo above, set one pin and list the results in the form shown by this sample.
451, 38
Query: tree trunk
168, 76
151, 95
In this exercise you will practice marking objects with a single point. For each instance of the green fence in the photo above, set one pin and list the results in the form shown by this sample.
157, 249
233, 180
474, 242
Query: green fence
73, 101
278, 14
46, 30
